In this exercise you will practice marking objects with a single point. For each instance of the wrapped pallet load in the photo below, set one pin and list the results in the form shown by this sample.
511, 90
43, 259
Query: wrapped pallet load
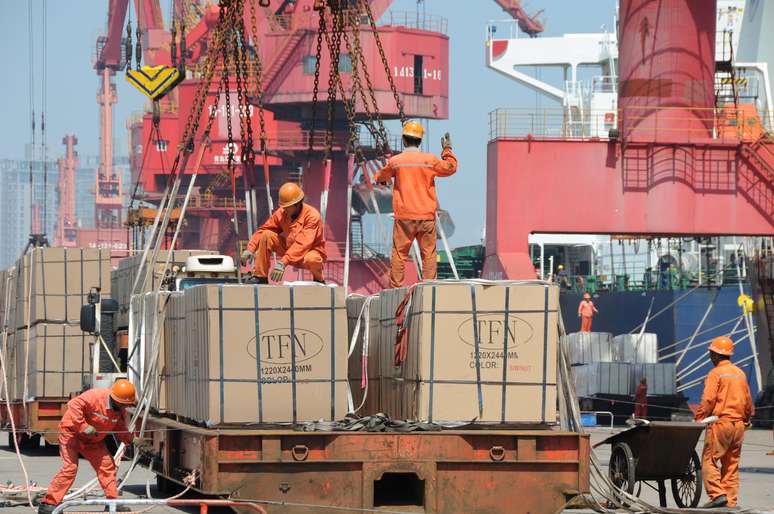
660, 377
53, 360
602, 378
636, 348
473, 351
588, 347
8, 350
148, 345
60, 281
263, 354
123, 278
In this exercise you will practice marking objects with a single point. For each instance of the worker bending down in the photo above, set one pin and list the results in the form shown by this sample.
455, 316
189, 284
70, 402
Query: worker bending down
294, 232
414, 201
727, 396
88, 419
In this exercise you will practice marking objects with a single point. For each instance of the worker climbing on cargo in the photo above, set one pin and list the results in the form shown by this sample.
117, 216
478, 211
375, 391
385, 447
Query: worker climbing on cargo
295, 233
414, 201
586, 311
89, 418
641, 399
727, 396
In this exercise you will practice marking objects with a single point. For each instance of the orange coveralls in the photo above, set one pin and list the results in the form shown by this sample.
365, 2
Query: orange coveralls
641, 401
414, 204
727, 396
586, 311
90, 408
298, 242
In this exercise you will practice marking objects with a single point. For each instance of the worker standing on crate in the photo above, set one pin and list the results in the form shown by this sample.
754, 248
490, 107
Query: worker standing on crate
727, 396
89, 418
414, 202
294, 233
586, 311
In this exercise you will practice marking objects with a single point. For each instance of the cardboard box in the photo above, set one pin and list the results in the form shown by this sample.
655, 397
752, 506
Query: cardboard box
56, 360
483, 352
122, 278
145, 308
8, 350
636, 348
263, 354
589, 347
370, 395
61, 280
602, 378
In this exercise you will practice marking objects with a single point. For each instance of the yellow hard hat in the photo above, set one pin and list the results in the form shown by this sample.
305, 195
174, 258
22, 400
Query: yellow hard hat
561, 266
290, 194
746, 303
722, 345
413, 129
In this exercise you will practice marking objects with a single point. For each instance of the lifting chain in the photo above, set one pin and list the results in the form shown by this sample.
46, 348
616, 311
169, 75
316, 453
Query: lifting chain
367, 8
321, 30
334, 50
257, 66
128, 45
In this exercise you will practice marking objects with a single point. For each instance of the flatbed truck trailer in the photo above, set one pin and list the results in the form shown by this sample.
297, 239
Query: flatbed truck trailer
433, 472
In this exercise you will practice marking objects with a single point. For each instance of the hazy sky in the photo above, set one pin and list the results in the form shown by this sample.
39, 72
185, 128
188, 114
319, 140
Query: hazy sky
74, 25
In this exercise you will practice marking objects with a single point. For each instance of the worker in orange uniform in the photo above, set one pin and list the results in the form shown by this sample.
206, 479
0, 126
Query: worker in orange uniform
294, 232
414, 201
641, 399
586, 311
727, 396
88, 419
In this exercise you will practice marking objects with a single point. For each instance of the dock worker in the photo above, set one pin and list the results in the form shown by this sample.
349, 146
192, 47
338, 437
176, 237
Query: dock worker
727, 396
414, 201
294, 232
641, 399
89, 418
586, 311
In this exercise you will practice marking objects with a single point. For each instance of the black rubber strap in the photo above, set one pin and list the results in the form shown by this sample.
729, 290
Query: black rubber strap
333, 353
258, 354
505, 354
220, 329
545, 354
432, 352
293, 352
477, 345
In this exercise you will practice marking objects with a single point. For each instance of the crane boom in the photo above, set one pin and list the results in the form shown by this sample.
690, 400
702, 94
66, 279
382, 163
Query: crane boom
528, 24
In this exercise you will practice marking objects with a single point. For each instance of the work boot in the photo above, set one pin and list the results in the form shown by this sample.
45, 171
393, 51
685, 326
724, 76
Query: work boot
719, 502
259, 280
46, 508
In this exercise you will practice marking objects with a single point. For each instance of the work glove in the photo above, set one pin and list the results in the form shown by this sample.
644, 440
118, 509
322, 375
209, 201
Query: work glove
141, 442
246, 256
277, 272
89, 430
446, 141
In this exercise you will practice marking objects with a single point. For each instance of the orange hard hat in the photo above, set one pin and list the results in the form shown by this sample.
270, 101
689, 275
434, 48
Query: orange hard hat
290, 194
123, 392
722, 345
413, 129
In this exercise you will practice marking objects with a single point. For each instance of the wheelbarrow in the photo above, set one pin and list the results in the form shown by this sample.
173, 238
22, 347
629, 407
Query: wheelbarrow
656, 452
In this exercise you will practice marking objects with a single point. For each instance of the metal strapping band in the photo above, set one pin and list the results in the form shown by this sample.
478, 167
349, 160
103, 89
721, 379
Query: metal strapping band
545, 355
220, 330
477, 349
64, 356
333, 353
293, 351
45, 354
258, 354
432, 352
505, 353
42, 283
